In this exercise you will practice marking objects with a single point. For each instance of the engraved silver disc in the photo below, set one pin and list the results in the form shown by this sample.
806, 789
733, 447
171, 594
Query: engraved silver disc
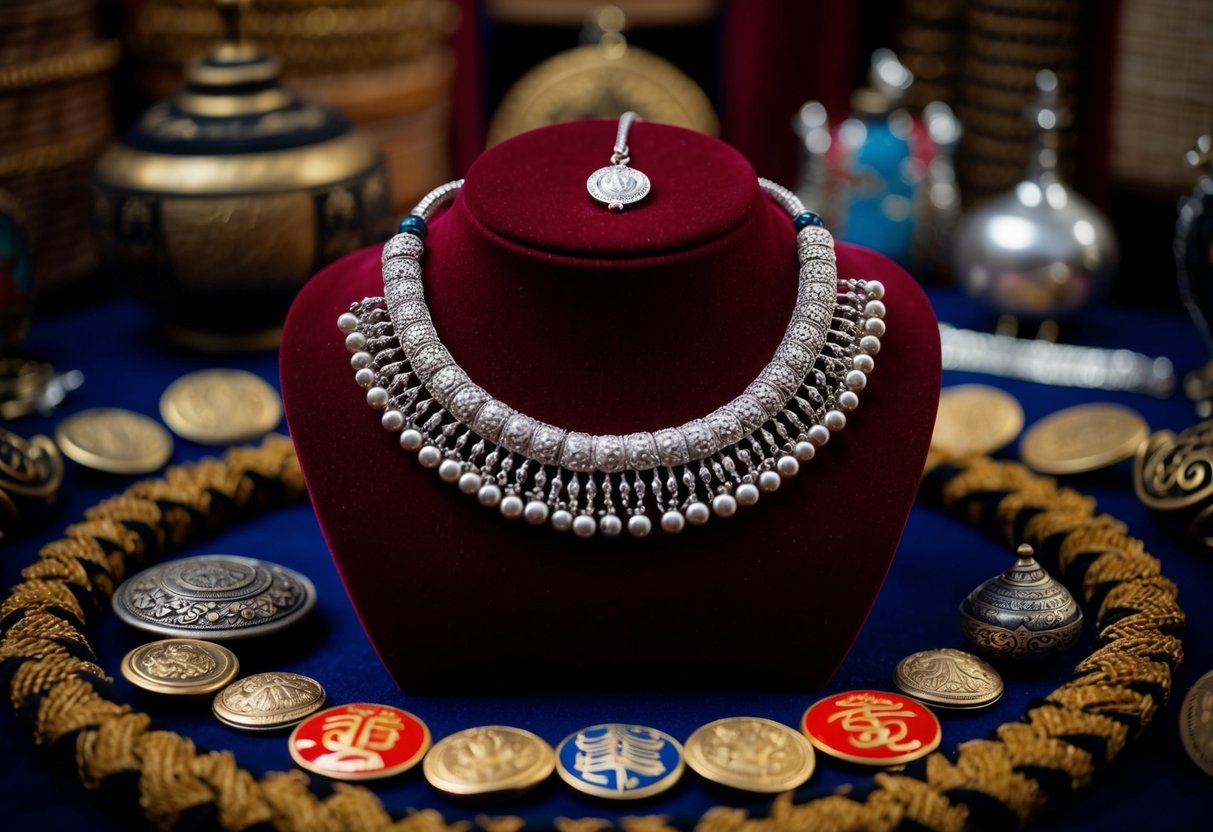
617, 185
214, 597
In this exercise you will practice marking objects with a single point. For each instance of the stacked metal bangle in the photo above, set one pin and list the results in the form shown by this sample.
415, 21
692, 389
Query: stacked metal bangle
602, 484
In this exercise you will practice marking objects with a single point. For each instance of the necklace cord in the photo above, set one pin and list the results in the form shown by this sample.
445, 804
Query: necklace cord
68, 703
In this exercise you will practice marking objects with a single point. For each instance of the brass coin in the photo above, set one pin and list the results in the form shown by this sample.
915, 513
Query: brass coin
752, 754
594, 82
1083, 438
1196, 723
488, 759
180, 666
268, 701
220, 407
115, 441
975, 419
949, 678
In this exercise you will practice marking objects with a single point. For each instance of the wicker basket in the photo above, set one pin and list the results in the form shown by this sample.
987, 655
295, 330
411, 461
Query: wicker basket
55, 109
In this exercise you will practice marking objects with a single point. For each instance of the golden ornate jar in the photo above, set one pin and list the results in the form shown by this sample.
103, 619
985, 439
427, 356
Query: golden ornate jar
223, 200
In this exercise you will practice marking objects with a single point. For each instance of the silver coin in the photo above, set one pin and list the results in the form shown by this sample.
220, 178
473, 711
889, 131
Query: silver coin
1196, 723
214, 597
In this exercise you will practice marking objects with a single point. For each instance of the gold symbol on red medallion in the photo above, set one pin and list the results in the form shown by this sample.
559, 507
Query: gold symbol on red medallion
360, 742
872, 727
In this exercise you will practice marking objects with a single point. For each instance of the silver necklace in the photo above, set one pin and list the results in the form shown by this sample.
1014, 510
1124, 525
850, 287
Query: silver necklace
602, 484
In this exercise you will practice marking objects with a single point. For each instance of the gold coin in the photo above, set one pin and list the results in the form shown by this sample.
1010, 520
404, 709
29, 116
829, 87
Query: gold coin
1196, 723
597, 82
752, 754
268, 701
220, 407
975, 419
1084, 438
115, 441
947, 677
488, 759
180, 666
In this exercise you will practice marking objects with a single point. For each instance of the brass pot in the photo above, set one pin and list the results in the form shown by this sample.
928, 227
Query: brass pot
223, 200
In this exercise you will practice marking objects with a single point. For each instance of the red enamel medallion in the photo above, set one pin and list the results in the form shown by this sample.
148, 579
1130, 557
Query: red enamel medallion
872, 727
359, 742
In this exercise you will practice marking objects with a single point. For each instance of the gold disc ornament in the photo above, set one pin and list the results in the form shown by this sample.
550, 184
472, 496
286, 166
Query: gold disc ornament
180, 666
1082, 439
975, 419
602, 80
751, 754
268, 701
489, 759
1196, 723
220, 407
114, 441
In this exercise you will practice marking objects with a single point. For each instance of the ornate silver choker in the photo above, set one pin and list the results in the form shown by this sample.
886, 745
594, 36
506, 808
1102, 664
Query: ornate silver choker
602, 484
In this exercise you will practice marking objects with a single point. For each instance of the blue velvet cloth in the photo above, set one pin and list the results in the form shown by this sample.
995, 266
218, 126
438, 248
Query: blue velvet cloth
939, 561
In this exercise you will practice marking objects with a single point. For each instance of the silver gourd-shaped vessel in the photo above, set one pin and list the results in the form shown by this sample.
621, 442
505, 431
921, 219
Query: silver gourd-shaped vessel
1022, 614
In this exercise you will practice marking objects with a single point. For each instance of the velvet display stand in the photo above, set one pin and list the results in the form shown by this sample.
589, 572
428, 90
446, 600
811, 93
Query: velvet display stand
609, 322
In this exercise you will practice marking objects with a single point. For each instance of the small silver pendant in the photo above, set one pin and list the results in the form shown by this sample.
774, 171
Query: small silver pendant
617, 186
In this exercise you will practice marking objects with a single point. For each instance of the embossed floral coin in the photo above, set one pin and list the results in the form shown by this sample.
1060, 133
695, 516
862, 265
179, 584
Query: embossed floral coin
267, 701
489, 759
872, 727
751, 753
114, 441
948, 678
215, 597
619, 761
180, 667
220, 407
359, 742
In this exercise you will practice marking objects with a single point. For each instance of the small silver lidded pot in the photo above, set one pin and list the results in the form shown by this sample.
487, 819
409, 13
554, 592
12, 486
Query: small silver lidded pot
1022, 614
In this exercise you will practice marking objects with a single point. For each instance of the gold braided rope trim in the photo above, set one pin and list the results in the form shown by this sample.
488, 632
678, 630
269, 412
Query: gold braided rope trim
1084, 725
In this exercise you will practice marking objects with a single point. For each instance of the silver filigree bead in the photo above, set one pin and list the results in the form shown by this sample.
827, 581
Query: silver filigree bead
609, 454
403, 245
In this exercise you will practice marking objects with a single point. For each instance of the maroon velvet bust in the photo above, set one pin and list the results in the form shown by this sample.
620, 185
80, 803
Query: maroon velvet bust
609, 322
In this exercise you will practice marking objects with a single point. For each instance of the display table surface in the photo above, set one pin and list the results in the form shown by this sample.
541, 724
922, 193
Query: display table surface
939, 561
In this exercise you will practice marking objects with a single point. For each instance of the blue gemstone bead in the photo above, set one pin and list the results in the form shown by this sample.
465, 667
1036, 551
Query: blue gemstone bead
806, 219
412, 224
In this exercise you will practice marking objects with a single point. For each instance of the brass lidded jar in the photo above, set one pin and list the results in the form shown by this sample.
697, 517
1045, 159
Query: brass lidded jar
1021, 614
223, 200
